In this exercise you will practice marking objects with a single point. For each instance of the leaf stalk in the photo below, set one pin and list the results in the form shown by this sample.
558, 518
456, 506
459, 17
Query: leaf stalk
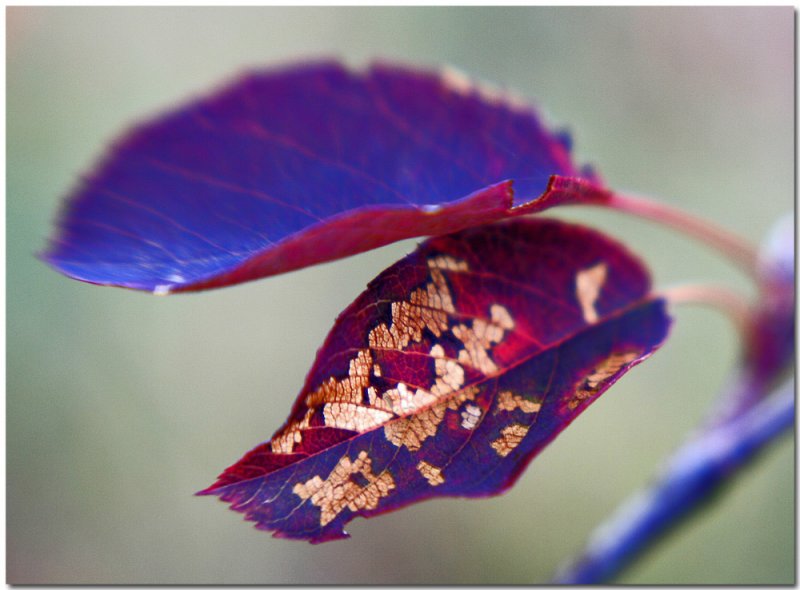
731, 303
735, 248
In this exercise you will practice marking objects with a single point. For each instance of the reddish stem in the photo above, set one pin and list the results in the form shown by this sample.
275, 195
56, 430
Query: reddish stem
731, 245
739, 311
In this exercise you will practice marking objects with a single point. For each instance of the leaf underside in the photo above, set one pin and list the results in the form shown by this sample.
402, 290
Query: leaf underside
455, 367
284, 169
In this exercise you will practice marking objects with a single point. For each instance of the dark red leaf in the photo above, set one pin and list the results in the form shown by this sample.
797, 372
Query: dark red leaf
454, 368
284, 169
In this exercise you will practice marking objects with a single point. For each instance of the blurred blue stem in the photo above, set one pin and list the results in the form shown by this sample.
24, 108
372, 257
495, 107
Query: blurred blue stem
709, 459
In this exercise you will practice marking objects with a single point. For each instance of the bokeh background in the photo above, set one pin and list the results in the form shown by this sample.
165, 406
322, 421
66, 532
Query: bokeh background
120, 405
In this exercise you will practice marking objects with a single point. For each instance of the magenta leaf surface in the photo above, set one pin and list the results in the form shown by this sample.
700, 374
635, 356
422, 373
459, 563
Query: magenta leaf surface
287, 168
455, 367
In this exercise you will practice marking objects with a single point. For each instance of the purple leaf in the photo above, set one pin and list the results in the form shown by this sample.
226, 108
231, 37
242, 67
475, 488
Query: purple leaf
455, 367
284, 169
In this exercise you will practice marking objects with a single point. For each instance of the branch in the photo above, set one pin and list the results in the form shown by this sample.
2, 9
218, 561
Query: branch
690, 478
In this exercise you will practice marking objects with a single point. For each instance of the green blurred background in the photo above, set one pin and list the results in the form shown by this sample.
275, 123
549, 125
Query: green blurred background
121, 405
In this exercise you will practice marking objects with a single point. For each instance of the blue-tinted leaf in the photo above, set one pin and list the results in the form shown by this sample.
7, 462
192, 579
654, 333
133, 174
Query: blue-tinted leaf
284, 169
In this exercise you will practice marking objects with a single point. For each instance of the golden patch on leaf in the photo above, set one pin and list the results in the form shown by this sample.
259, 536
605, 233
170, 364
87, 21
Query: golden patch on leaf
479, 339
348, 389
427, 307
588, 284
338, 492
510, 437
449, 374
400, 401
448, 263
509, 402
604, 370
470, 417
284, 441
344, 397
412, 431
431, 473
354, 416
